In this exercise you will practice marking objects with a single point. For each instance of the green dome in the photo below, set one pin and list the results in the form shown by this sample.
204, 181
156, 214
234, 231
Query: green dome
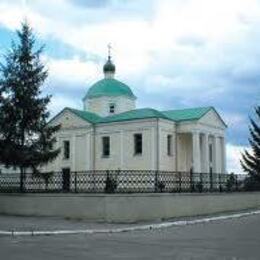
109, 87
109, 67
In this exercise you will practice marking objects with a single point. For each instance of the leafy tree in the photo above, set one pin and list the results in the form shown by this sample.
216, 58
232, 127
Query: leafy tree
26, 141
251, 161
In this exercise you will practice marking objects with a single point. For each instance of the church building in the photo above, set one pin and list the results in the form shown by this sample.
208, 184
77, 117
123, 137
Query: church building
110, 133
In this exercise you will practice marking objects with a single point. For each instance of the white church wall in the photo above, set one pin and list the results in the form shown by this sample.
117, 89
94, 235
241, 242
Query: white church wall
77, 131
80, 134
122, 146
100, 105
167, 162
81, 153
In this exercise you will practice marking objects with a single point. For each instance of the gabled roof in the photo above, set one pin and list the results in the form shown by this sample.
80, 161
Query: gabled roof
135, 114
88, 116
85, 115
190, 114
181, 115
187, 114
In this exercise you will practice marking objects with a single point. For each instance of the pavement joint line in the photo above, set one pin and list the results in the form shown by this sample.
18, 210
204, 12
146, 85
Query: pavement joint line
127, 229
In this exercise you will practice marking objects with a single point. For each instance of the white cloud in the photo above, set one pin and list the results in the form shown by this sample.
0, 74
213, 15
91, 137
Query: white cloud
59, 102
72, 71
233, 158
234, 119
135, 39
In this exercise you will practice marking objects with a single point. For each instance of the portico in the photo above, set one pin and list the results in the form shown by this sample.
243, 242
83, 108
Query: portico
202, 152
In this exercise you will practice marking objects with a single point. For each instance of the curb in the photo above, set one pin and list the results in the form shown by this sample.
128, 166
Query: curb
128, 229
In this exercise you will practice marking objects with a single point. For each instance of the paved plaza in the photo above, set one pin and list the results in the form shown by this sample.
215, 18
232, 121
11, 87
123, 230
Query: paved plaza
237, 238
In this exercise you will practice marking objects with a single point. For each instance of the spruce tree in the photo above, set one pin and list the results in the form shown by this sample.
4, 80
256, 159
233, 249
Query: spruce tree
26, 140
251, 161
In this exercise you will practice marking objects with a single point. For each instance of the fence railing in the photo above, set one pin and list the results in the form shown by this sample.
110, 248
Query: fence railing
120, 181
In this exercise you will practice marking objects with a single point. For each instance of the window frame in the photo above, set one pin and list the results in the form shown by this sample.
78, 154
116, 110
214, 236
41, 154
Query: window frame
138, 144
114, 108
105, 146
66, 150
169, 145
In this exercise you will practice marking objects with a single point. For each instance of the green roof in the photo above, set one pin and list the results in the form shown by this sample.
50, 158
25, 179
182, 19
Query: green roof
144, 113
109, 87
85, 115
133, 115
187, 114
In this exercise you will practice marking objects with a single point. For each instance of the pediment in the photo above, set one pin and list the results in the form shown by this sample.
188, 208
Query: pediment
212, 118
67, 119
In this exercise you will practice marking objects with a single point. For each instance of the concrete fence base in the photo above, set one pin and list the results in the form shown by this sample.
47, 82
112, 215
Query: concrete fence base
126, 208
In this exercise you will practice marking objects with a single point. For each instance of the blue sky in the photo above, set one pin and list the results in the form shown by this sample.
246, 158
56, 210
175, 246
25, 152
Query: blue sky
173, 53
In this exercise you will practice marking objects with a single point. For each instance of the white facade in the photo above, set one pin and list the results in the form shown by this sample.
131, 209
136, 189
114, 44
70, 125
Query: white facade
191, 145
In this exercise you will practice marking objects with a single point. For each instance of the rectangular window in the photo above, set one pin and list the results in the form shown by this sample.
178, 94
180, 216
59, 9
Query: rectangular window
112, 108
169, 144
66, 150
210, 153
105, 146
138, 144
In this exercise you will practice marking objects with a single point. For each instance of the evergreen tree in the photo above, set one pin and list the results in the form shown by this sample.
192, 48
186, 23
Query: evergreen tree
251, 161
26, 141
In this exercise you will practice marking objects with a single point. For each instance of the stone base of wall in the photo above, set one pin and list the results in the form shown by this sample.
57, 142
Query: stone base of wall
127, 207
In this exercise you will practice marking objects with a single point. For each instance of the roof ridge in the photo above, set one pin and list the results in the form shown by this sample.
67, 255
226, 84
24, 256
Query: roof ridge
90, 116
191, 108
134, 114
82, 111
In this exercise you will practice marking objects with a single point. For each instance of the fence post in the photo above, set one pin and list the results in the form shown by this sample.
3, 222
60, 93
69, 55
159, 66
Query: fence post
201, 182
94, 181
191, 180
179, 180
156, 181
220, 183
21, 180
75, 181
211, 180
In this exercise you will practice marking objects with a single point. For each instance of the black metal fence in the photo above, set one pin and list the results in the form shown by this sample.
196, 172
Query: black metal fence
120, 182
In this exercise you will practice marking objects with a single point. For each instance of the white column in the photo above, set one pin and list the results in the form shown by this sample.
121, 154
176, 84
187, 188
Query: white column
196, 152
214, 154
153, 149
57, 161
205, 155
223, 150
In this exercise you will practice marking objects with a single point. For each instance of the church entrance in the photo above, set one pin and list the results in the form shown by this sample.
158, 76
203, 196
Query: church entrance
66, 179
